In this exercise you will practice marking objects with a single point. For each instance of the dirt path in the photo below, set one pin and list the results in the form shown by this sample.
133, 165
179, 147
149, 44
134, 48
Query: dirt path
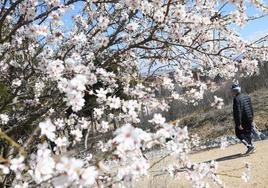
230, 163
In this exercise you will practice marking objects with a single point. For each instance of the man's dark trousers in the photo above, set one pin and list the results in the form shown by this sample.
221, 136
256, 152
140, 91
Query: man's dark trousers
245, 135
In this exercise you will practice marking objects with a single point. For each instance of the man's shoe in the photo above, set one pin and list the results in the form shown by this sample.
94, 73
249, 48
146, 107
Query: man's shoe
263, 136
251, 149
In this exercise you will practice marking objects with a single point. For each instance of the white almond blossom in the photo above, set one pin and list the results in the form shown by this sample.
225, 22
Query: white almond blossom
103, 22
4, 169
182, 133
132, 26
43, 169
55, 69
218, 103
167, 83
84, 123
114, 102
39, 86
60, 124
72, 167
74, 90
77, 134
138, 168
62, 142
158, 119
4, 118
167, 131
89, 176
104, 126
101, 94
48, 129
130, 138
24, 185
17, 165
98, 112
75, 99
130, 105
16, 83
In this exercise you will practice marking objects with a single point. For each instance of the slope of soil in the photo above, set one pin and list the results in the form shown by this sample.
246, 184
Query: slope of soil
215, 123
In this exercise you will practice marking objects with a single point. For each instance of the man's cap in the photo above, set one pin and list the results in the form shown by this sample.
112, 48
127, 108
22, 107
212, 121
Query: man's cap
235, 86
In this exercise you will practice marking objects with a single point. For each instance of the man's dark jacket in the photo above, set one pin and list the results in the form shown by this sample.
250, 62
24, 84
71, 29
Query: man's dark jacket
243, 111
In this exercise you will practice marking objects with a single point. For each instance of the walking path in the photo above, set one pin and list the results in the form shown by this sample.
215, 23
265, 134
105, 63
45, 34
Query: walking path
231, 165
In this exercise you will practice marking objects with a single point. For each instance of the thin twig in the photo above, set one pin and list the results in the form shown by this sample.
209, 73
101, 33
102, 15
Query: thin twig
158, 161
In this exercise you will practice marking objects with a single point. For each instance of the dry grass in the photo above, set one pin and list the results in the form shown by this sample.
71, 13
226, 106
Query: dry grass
215, 123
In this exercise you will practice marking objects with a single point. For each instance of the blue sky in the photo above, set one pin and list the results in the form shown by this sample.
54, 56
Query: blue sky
256, 28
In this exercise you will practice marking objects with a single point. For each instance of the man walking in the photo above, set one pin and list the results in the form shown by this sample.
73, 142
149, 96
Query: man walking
243, 117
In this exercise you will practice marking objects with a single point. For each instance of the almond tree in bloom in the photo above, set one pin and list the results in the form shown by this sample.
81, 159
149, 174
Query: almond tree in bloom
70, 76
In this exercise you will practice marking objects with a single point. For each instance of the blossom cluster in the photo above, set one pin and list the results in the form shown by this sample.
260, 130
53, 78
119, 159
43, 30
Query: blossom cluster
218, 102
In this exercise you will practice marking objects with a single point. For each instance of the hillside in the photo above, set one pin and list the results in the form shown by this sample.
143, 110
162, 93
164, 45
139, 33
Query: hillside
215, 123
